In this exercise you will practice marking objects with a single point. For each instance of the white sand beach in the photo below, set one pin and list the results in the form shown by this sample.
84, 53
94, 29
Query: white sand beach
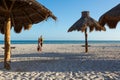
62, 62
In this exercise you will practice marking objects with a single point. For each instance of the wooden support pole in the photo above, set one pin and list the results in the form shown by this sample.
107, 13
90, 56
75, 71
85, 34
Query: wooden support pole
86, 42
7, 54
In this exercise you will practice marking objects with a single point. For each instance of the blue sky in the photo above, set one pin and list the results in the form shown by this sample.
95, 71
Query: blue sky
67, 13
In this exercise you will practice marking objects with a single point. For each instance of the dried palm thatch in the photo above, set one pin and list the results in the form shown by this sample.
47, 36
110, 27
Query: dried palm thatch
19, 14
22, 13
86, 22
111, 17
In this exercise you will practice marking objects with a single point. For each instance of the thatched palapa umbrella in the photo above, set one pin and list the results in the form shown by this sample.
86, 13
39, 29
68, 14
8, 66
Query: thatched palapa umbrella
19, 14
111, 17
83, 23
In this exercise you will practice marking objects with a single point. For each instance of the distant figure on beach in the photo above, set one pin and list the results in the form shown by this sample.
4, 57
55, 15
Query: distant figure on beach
40, 43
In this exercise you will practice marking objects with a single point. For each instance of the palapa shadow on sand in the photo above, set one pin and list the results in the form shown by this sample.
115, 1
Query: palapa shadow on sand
61, 62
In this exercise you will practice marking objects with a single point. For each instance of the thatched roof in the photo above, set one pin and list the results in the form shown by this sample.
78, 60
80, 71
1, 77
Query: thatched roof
111, 18
84, 22
23, 13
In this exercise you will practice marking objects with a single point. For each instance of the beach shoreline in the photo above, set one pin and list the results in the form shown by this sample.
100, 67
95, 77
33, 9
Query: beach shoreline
63, 62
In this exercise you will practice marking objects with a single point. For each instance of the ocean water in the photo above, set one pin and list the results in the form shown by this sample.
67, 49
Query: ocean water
62, 42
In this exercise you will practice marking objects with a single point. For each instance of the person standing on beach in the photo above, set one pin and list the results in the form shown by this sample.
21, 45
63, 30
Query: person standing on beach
40, 43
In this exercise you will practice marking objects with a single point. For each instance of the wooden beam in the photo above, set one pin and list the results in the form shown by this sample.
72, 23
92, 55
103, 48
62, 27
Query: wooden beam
4, 2
39, 13
3, 9
13, 2
28, 18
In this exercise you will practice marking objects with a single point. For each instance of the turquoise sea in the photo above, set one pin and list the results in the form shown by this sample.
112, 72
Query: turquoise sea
62, 42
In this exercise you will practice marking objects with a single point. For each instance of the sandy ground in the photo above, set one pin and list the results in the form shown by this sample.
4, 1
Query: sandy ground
62, 62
